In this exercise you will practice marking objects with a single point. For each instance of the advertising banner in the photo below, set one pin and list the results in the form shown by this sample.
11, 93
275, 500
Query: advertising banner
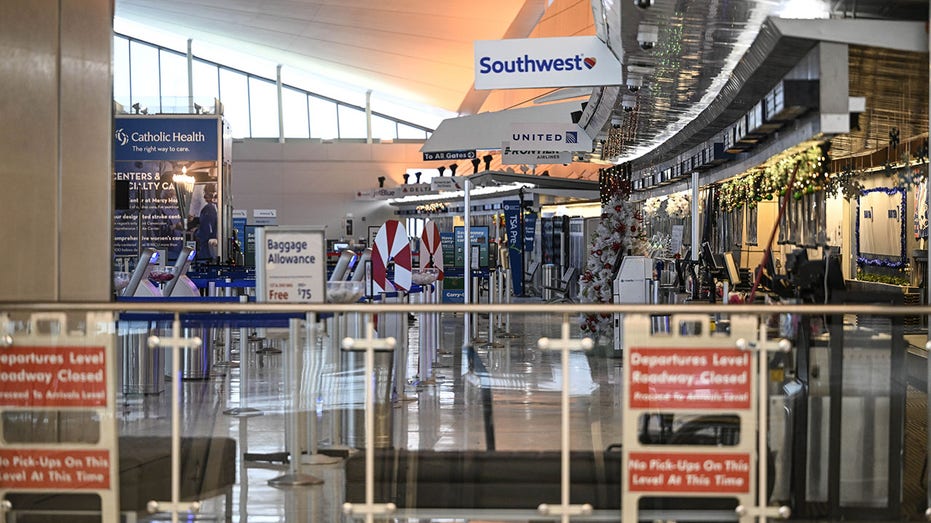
165, 178
510, 156
149, 138
571, 61
290, 265
549, 137
689, 378
479, 237
695, 473
512, 209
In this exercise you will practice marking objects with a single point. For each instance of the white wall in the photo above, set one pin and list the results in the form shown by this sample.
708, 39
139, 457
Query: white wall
312, 183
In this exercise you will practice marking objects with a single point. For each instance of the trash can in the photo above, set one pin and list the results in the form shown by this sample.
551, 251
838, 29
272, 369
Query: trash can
354, 420
140, 366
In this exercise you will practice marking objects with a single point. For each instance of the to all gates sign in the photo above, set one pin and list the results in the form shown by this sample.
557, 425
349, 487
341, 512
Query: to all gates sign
689, 378
709, 473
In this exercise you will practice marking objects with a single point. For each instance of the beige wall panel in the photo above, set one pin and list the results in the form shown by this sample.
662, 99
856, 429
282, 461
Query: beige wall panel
86, 168
29, 148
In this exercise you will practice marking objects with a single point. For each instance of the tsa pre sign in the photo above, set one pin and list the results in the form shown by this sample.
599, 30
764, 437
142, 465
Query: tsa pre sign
704, 473
53, 377
54, 469
682, 378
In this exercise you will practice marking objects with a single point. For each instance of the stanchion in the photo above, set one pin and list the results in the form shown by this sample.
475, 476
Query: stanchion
428, 330
294, 366
507, 316
492, 294
313, 457
242, 410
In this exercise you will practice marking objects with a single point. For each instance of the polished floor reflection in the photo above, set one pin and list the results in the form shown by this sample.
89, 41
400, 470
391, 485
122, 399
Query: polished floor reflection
444, 412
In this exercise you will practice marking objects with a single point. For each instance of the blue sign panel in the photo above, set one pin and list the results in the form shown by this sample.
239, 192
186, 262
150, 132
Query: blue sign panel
154, 138
512, 210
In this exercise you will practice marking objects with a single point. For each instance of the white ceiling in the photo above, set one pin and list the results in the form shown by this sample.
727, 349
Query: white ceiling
418, 50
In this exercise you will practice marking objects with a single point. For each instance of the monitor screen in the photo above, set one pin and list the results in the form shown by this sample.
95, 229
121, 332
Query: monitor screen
732, 273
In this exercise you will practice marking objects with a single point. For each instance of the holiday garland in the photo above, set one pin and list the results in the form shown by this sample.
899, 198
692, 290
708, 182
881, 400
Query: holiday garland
618, 233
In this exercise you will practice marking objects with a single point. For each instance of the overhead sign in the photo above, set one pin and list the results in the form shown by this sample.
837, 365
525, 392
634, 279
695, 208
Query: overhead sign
449, 155
290, 265
165, 138
549, 137
572, 61
511, 156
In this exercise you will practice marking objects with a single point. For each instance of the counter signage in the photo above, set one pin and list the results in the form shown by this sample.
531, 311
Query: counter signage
549, 137
415, 188
53, 377
689, 378
448, 243
446, 183
695, 473
479, 237
265, 216
290, 265
449, 155
511, 156
24, 468
161, 138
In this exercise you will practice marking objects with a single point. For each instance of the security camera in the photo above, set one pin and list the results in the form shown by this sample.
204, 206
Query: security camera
616, 122
634, 83
643, 4
628, 103
647, 35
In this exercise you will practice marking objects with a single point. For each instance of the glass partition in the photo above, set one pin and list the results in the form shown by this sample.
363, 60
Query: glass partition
287, 413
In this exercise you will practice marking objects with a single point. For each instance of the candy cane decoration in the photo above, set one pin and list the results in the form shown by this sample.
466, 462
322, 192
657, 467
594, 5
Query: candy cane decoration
391, 246
431, 249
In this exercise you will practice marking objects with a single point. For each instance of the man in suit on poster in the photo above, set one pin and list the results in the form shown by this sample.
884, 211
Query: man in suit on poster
207, 226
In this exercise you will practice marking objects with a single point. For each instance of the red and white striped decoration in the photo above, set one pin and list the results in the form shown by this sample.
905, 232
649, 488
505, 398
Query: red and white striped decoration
431, 249
391, 243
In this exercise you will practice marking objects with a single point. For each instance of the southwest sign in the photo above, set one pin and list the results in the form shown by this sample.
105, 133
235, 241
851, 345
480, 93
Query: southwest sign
549, 137
572, 61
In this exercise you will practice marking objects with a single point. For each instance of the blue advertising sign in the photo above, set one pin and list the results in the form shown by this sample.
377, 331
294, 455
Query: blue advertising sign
159, 138
512, 210
530, 225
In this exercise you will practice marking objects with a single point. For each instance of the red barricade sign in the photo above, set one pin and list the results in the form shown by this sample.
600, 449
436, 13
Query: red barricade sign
689, 378
698, 473
53, 377
54, 469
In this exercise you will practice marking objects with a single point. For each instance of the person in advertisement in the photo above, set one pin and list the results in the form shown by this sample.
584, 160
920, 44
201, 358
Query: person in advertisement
207, 225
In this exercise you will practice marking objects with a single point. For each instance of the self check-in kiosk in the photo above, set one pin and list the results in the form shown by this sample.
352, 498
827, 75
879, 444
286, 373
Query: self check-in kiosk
139, 284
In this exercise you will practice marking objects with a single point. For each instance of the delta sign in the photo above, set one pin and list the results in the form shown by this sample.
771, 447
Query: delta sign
571, 61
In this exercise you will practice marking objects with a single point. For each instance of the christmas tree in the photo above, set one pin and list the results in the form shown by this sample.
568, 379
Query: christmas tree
619, 233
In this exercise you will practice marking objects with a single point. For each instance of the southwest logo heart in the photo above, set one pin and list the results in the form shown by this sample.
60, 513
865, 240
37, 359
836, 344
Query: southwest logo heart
590, 62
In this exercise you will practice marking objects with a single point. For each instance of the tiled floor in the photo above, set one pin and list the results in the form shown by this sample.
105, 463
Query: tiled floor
445, 415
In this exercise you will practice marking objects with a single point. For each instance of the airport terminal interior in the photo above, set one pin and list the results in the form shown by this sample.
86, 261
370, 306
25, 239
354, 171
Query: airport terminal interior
467, 261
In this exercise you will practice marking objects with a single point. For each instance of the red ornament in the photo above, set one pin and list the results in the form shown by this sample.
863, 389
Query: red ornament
598, 252
616, 246
617, 208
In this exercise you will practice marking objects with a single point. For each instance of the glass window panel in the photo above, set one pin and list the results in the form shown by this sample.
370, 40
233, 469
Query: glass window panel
121, 71
144, 70
234, 95
322, 118
206, 87
174, 82
384, 128
263, 103
295, 113
351, 123
410, 133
